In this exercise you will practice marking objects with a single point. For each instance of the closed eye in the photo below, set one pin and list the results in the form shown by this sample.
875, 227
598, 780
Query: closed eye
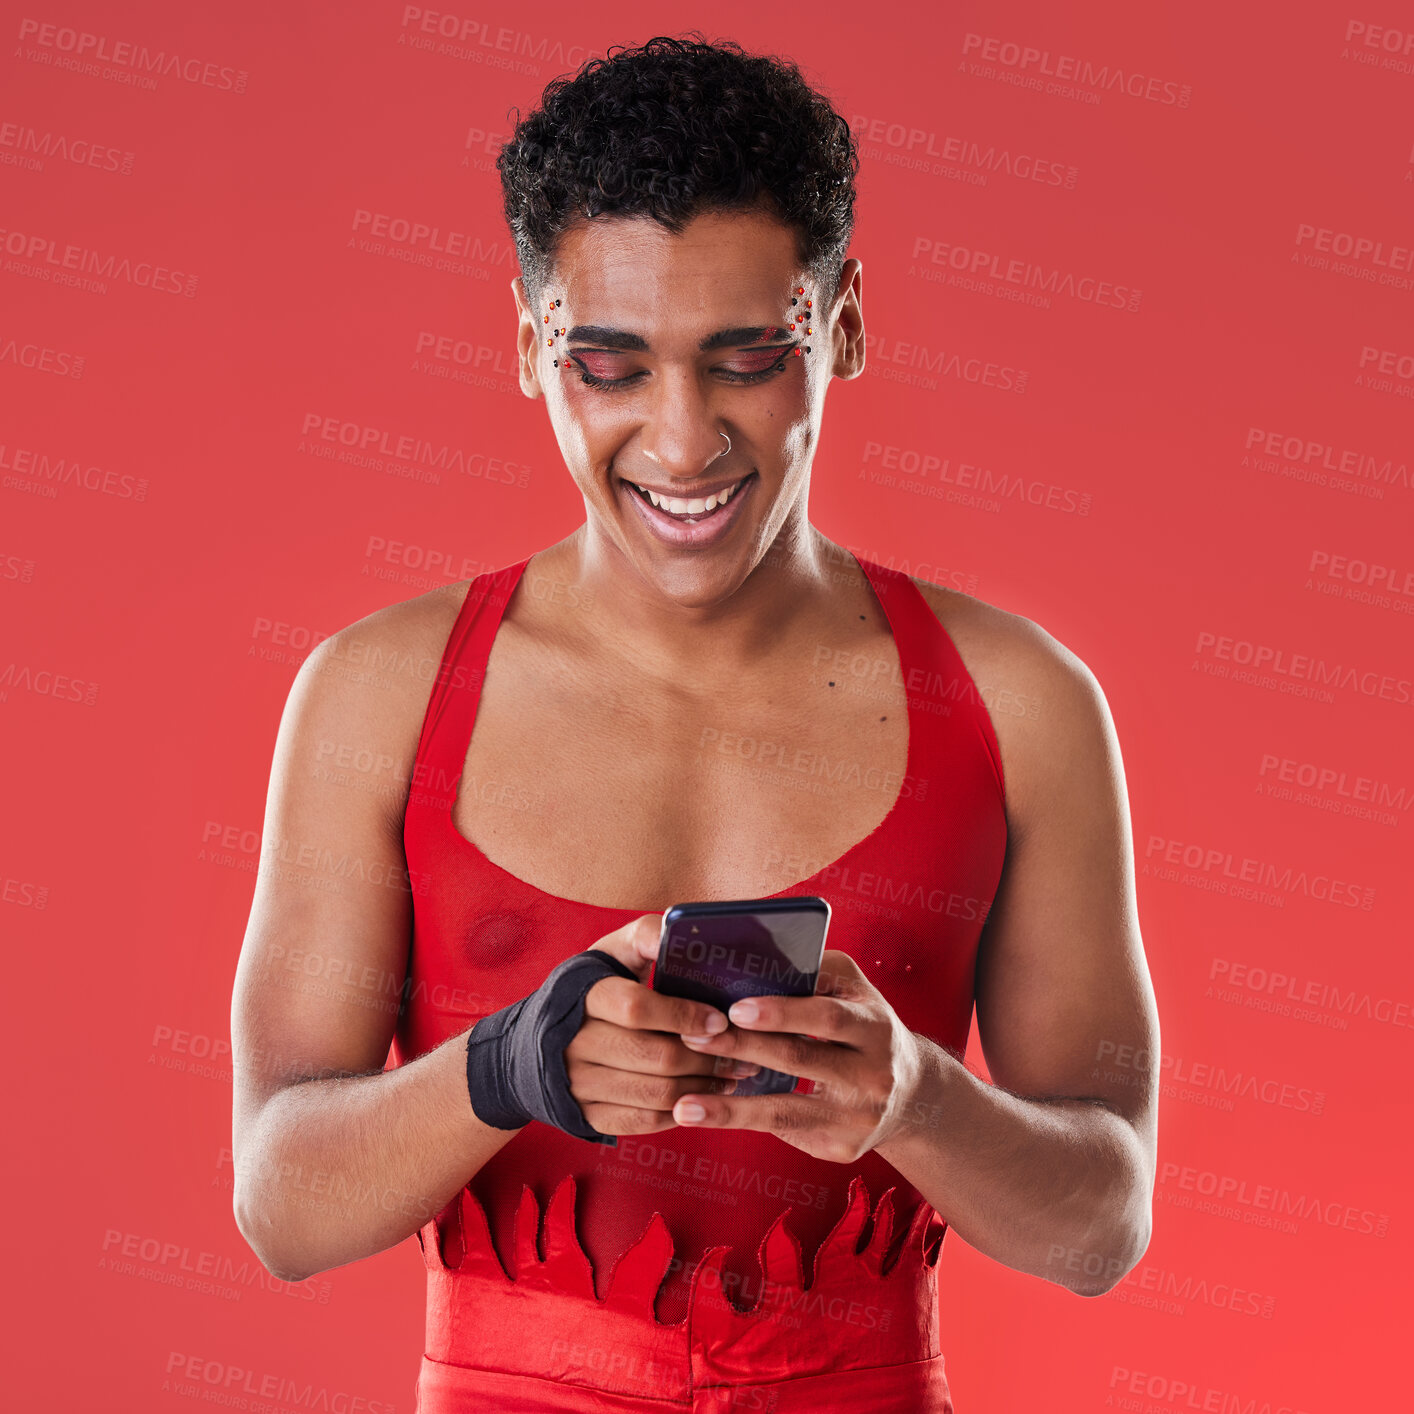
769, 360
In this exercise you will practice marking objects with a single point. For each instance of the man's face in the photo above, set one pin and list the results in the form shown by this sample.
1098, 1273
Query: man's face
650, 408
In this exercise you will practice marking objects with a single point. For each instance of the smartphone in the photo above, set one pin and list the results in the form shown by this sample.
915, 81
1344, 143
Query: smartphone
755, 947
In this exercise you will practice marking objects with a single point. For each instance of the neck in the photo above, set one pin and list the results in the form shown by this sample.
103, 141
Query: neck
696, 623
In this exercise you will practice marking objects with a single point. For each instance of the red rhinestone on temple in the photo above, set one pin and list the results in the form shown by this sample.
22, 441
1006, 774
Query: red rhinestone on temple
799, 319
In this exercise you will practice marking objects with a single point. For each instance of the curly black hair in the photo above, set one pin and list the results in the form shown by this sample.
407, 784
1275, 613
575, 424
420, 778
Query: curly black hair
671, 129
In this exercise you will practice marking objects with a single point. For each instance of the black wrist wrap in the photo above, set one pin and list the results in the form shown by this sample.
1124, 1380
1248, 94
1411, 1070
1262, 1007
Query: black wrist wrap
515, 1058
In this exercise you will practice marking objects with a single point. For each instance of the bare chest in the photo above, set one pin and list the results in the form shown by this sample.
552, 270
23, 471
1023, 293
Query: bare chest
613, 788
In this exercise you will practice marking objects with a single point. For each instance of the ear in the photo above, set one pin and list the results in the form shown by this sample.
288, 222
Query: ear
527, 342
847, 322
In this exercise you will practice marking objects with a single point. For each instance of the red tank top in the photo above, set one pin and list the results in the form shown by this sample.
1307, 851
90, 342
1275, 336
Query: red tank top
908, 904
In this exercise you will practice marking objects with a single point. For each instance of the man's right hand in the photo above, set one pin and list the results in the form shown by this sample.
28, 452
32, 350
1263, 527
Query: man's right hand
627, 1064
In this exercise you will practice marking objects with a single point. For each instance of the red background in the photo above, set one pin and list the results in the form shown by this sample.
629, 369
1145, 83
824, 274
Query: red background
171, 547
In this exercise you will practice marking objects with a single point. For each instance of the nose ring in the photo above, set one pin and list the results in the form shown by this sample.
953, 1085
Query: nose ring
720, 433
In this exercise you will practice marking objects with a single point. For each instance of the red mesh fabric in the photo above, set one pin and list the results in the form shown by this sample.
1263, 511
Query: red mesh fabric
908, 902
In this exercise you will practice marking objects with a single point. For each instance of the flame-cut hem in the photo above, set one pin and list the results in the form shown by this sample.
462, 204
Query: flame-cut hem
860, 1335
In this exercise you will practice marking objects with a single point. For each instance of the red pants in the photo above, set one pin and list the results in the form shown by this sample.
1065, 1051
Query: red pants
859, 1338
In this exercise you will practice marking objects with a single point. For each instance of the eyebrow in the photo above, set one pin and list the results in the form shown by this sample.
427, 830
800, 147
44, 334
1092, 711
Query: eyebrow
636, 343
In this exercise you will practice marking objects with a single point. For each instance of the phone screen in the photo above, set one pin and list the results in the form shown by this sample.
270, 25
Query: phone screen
717, 952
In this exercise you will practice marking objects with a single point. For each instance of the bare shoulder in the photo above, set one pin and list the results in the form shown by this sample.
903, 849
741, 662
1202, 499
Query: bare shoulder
364, 690
1006, 649
1045, 704
396, 641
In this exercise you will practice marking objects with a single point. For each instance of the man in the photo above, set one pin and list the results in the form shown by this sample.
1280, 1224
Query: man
682, 308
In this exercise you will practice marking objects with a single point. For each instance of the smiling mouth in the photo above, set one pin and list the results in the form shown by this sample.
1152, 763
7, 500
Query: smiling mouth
689, 511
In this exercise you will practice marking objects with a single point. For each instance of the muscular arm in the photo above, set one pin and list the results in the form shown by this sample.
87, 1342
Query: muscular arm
336, 1159
1050, 1169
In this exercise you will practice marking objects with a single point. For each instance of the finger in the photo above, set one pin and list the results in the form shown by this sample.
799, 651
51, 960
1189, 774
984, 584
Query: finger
768, 1114
606, 1084
841, 1019
820, 1061
624, 1119
647, 933
840, 974
637, 1007
652, 1052
635, 944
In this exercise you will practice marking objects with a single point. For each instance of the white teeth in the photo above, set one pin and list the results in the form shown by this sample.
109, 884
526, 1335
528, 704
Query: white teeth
677, 507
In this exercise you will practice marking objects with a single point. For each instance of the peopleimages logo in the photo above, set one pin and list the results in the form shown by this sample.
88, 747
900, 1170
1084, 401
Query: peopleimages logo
63, 262
1280, 992
1335, 781
1354, 255
402, 454
973, 158
1391, 363
1212, 1080
461, 37
408, 231
1263, 1204
170, 1263
50, 472
219, 1382
80, 49
21, 145
45, 682
1035, 65
1379, 46
1321, 459
987, 266
1271, 663
1186, 1394
1159, 1289
41, 359
1222, 866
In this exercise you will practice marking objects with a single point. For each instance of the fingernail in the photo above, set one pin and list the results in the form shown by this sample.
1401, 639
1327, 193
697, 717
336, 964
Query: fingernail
744, 1011
741, 1069
715, 1022
690, 1110
696, 1040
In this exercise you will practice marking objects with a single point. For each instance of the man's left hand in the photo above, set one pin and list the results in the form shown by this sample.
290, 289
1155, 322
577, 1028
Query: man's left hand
865, 1066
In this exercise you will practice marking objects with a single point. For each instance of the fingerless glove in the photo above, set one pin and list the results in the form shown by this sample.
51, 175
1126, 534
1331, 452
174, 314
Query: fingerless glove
515, 1058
